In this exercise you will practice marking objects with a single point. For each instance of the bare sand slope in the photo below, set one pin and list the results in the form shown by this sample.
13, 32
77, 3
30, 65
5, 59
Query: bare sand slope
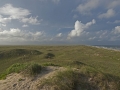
19, 82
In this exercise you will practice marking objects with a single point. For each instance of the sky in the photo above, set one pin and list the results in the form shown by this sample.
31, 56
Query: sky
59, 22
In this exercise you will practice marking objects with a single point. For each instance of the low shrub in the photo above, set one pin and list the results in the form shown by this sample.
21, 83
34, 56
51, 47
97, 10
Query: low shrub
32, 70
49, 56
26, 69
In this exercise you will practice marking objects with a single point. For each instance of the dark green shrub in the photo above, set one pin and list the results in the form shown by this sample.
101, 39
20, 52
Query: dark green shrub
32, 70
49, 56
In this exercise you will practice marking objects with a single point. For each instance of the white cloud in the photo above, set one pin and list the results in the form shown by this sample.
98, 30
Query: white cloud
59, 35
116, 30
20, 14
17, 34
13, 12
10, 33
104, 34
110, 13
4, 20
91, 38
108, 35
31, 20
25, 25
79, 28
113, 4
87, 7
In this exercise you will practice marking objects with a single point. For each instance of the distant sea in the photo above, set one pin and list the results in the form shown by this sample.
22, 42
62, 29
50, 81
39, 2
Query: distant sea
115, 47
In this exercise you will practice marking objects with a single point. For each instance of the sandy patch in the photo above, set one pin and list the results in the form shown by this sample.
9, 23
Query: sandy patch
19, 82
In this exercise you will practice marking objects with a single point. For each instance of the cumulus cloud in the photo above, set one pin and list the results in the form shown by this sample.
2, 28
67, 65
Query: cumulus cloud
11, 33
20, 14
19, 34
87, 7
115, 34
59, 35
116, 30
110, 13
13, 12
79, 28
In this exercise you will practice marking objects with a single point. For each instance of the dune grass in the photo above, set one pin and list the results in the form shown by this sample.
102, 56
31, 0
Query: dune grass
29, 69
105, 62
86, 78
32, 70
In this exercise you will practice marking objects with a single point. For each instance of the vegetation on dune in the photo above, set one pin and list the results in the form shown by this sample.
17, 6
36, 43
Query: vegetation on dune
28, 69
90, 68
49, 56
18, 52
32, 70
85, 78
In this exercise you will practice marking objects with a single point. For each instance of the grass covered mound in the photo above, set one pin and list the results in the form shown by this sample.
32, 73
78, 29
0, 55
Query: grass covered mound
18, 52
68, 78
30, 69
85, 78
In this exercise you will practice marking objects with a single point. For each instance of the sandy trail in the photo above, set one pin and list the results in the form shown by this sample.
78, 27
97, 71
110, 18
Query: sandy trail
19, 82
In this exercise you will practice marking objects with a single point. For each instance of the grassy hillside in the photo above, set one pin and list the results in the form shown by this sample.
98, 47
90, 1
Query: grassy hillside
107, 61
101, 64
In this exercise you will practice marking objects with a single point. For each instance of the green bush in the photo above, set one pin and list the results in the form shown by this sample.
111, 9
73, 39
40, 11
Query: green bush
49, 56
26, 69
32, 70
16, 68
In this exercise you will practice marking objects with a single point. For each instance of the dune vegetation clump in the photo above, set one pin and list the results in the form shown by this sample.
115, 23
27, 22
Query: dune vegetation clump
18, 52
32, 70
49, 56
24, 68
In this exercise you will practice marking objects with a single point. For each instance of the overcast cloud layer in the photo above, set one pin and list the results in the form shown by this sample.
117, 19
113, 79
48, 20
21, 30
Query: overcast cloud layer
59, 22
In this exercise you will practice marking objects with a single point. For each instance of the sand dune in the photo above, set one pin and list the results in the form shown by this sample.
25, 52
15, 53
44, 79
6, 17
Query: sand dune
17, 81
